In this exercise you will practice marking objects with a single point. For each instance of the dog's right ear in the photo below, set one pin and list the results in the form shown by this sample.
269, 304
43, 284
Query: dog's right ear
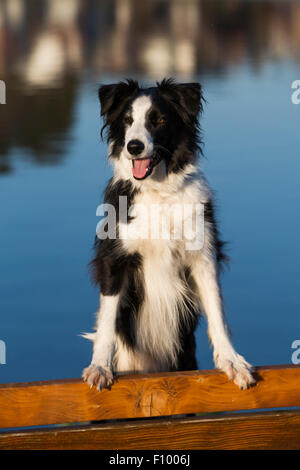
113, 98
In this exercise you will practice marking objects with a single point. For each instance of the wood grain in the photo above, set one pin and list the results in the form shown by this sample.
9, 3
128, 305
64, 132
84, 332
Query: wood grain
269, 430
138, 396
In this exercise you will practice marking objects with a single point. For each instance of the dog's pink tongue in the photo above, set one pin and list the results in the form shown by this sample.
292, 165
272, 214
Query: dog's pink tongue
140, 167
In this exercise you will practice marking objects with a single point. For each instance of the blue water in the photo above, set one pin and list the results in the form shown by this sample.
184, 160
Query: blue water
48, 221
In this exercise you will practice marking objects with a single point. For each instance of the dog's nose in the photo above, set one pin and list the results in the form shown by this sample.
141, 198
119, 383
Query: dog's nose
135, 147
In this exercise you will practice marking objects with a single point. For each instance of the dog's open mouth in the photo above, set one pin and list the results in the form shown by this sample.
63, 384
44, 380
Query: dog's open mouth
142, 167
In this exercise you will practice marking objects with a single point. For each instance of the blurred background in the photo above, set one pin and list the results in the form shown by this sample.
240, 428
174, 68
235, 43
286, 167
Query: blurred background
53, 168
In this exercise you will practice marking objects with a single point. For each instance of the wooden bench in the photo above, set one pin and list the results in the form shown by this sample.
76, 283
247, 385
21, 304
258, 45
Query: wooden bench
183, 410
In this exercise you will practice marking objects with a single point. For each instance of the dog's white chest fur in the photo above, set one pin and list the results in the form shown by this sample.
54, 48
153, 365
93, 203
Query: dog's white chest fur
163, 217
163, 260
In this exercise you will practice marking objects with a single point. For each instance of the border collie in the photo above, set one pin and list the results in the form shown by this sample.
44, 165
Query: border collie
153, 289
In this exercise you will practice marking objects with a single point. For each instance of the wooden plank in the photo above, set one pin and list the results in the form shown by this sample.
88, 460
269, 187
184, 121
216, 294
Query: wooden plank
269, 430
137, 396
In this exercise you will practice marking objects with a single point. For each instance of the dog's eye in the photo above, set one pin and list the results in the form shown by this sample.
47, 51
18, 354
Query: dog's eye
128, 120
157, 121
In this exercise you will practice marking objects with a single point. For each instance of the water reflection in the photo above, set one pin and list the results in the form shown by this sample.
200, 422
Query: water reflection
38, 123
46, 47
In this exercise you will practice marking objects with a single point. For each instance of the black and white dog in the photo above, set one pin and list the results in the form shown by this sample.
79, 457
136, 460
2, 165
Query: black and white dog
153, 288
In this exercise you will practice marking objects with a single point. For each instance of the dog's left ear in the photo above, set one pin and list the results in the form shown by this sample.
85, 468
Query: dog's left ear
186, 98
192, 97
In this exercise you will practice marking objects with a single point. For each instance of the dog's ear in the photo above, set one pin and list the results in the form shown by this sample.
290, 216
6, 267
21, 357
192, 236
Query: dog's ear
186, 98
113, 98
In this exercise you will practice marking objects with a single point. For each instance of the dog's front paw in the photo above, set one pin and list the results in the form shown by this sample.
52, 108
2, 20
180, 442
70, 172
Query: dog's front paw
236, 368
97, 376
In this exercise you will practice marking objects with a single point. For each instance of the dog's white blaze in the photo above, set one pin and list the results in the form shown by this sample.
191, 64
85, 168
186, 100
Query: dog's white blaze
138, 130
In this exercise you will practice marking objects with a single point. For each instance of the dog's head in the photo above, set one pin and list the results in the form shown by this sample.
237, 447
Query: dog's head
151, 131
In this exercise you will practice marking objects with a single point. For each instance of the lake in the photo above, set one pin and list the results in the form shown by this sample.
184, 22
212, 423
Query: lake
53, 166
